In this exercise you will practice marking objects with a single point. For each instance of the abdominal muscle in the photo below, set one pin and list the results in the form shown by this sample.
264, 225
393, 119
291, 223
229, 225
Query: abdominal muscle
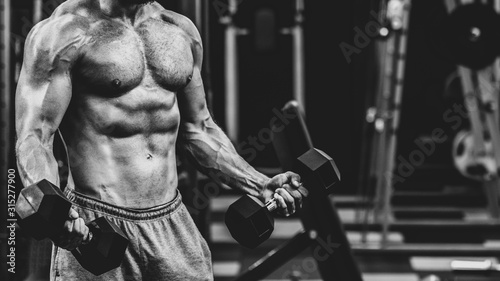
136, 170
124, 173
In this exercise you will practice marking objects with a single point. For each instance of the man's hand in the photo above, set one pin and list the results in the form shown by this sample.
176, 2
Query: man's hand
74, 232
285, 187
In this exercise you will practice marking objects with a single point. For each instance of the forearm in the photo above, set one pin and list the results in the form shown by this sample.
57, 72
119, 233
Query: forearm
214, 155
36, 161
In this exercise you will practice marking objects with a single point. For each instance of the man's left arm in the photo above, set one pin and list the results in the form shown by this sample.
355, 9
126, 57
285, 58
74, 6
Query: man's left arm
212, 151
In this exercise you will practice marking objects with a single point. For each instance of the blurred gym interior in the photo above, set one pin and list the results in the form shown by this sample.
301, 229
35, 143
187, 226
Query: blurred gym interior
403, 95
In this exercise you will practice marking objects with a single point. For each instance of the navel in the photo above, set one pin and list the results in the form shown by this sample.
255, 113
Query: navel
116, 83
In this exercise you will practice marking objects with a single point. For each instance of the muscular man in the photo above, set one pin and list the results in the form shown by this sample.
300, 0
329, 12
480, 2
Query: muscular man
121, 80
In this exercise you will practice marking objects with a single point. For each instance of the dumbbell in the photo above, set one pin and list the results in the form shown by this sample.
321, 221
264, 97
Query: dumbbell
250, 222
42, 209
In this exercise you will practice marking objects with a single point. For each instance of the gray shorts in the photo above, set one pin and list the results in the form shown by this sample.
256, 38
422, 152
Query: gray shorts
165, 244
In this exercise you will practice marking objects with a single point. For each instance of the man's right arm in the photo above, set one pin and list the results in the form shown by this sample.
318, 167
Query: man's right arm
43, 95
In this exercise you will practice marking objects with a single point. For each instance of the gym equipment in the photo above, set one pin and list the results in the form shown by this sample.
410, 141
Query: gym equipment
317, 166
476, 152
472, 157
296, 130
42, 210
383, 116
318, 215
472, 35
250, 222
475, 269
473, 153
474, 265
235, 23
431, 277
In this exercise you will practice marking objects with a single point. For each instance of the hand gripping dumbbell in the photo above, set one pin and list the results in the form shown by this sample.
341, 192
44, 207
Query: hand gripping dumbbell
251, 222
42, 210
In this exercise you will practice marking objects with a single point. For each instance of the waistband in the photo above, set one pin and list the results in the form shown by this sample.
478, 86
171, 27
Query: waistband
121, 212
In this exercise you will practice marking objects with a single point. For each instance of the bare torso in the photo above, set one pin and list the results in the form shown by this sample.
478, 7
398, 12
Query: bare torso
122, 123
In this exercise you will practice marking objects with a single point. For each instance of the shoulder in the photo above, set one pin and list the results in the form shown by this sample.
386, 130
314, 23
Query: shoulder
57, 30
179, 20
70, 20
66, 26
57, 38
84, 8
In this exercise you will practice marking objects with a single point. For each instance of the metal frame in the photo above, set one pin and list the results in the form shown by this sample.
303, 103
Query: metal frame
278, 257
399, 68
232, 32
299, 88
391, 52
231, 78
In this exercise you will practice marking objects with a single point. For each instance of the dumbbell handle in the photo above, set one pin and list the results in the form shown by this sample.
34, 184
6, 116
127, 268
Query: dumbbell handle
272, 204
88, 238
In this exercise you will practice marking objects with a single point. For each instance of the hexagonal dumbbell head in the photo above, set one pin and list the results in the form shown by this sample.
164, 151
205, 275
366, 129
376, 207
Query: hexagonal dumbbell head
317, 167
106, 248
42, 209
249, 221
